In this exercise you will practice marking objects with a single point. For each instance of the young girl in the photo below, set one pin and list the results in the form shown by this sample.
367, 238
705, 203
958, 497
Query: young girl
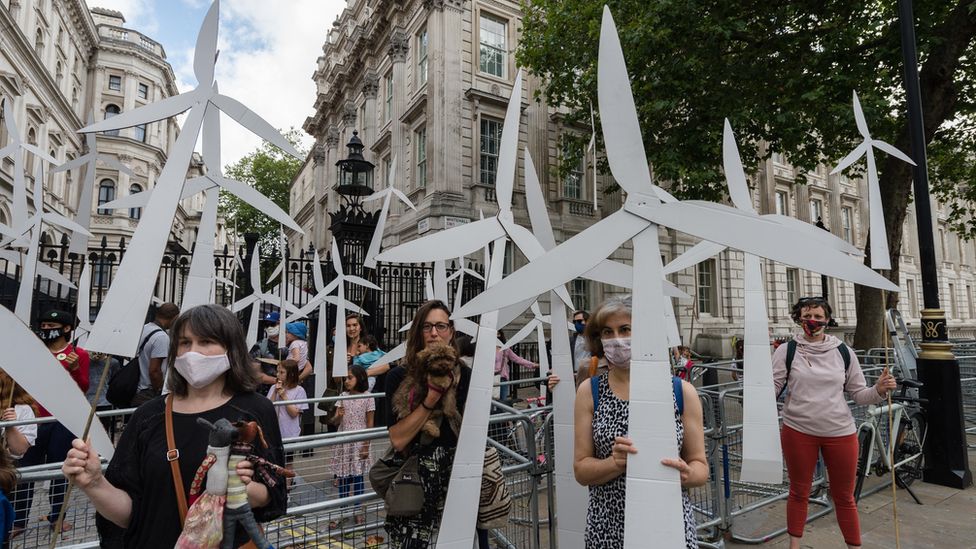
351, 461
21, 406
287, 388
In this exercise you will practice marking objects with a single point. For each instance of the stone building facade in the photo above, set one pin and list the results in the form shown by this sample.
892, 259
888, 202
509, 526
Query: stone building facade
61, 64
426, 84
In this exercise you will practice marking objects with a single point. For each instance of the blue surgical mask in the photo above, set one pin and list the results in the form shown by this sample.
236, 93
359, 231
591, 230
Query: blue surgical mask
579, 325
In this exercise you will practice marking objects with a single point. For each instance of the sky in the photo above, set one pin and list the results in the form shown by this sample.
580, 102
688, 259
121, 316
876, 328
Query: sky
268, 52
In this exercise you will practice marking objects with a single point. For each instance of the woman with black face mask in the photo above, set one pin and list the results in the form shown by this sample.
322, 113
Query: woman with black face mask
816, 369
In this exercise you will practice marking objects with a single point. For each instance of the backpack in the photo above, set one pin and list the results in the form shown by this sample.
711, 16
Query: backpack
679, 395
845, 353
123, 384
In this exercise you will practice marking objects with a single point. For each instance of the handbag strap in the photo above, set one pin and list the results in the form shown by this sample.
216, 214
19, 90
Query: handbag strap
173, 457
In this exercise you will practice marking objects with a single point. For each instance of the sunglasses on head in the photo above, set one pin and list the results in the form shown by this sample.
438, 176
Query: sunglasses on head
808, 300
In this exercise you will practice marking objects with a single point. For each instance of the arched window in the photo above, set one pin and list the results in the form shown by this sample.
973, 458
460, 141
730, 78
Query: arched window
74, 98
39, 42
59, 73
32, 140
135, 213
110, 111
106, 193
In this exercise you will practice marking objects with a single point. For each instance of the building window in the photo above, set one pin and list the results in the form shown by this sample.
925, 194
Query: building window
782, 203
388, 108
39, 42
106, 193
59, 73
707, 291
969, 302
572, 158
911, 297
140, 132
422, 58
944, 245
115, 82
846, 220
143, 91
792, 286
493, 50
779, 158
962, 250
953, 311
420, 138
110, 111
491, 136
816, 211
579, 292
135, 213
103, 272
387, 168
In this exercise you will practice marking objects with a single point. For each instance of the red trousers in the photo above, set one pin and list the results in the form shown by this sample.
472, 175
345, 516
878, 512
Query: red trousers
840, 455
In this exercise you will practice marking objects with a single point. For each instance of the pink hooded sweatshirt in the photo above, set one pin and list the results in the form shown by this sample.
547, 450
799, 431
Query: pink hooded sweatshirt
815, 402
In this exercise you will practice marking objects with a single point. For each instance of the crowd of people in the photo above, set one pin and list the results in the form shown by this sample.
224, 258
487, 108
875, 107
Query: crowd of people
195, 368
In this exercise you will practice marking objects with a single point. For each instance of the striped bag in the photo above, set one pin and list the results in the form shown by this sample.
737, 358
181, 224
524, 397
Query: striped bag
495, 502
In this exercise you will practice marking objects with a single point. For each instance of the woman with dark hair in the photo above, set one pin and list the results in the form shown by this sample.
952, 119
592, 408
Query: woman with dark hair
432, 325
816, 370
354, 333
211, 379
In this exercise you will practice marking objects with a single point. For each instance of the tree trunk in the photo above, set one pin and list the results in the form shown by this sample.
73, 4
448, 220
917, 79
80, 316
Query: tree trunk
939, 99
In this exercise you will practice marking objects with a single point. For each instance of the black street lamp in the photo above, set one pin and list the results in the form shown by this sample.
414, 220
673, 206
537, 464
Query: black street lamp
355, 174
946, 453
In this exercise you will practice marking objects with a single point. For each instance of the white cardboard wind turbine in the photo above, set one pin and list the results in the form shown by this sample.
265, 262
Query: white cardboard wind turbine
591, 157
387, 195
83, 311
87, 162
653, 500
257, 297
118, 327
18, 149
880, 258
34, 225
459, 274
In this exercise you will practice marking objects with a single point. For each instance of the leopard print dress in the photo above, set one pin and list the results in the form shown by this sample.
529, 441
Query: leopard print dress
605, 514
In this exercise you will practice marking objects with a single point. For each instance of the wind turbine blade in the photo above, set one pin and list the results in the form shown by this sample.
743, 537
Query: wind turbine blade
893, 151
812, 231
377, 195
507, 314
377, 239
255, 268
8, 118
62, 221
113, 163
337, 262
693, 256
734, 174
880, 257
535, 201
250, 120
563, 263
317, 272
84, 295
36, 151
260, 202
153, 112
440, 281
10, 149
205, 54
211, 138
445, 245
755, 235
277, 271
508, 149
522, 334
403, 198
69, 165
612, 273
621, 126
862, 125
361, 282
348, 306
392, 355
429, 287
243, 303
851, 158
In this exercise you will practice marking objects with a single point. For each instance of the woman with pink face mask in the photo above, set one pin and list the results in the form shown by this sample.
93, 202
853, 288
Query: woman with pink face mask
601, 442
816, 417
211, 379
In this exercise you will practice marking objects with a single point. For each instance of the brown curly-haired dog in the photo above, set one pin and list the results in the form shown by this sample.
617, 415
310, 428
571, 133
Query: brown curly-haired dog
437, 366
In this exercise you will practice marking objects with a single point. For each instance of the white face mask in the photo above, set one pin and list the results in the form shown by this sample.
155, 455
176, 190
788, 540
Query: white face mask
200, 370
617, 351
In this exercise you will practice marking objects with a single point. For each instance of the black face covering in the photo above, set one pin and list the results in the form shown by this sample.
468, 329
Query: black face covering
50, 334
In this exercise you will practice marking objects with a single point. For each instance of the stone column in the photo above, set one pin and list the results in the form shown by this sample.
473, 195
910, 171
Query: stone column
451, 89
319, 157
329, 181
371, 87
399, 45
349, 116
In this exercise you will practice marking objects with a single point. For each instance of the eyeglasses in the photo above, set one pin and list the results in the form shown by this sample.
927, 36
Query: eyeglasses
441, 327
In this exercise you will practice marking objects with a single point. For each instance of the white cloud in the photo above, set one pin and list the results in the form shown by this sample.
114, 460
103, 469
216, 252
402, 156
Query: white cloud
138, 13
268, 52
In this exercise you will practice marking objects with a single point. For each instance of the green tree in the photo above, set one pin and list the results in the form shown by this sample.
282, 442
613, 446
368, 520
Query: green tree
782, 73
271, 171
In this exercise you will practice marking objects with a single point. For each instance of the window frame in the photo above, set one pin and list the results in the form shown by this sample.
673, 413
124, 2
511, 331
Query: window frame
142, 91
111, 79
707, 294
847, 223
566, 176
501, 50
486, 157
781, 207
135, 213
106, 183
420, 156
423, 46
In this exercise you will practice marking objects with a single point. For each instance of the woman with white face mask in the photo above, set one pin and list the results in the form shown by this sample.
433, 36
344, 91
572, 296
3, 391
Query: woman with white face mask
211, 379
601, 442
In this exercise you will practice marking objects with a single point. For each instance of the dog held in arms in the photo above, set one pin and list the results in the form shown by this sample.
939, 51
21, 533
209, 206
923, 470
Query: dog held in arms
437, 369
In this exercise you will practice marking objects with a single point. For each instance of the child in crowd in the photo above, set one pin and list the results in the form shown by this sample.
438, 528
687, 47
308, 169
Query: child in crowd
288, 388
683, 363
351, 461
367, 353
20, 406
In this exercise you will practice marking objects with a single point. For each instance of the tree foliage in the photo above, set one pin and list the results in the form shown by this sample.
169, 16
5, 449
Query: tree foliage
271, 171
782, 73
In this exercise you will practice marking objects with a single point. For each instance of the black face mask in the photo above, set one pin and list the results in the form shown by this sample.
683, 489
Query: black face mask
50, 334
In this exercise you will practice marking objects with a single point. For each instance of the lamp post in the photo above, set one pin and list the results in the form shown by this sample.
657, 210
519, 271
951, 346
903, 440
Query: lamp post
946, 454
355, 174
